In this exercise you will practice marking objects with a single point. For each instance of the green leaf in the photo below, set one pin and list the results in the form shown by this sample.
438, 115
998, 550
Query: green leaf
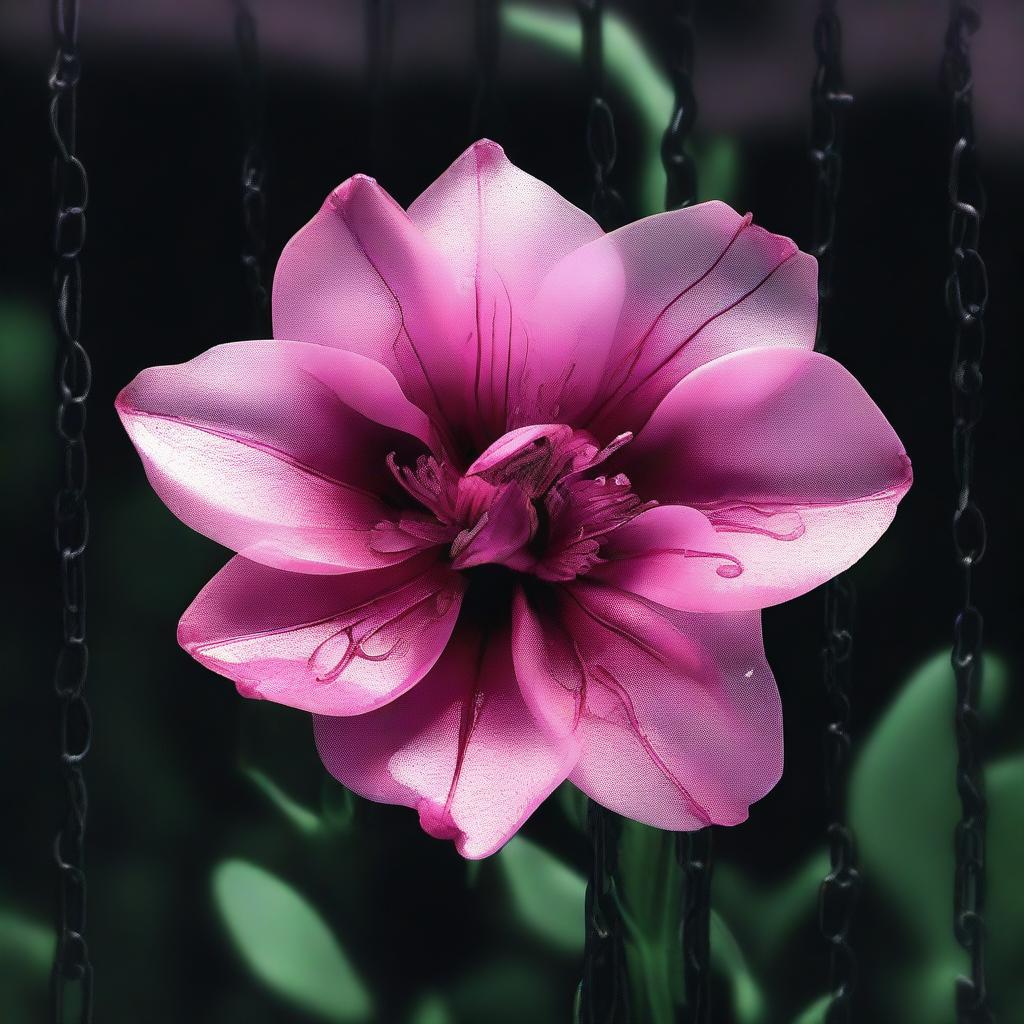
762, 916
903, 801
904, 808
574, 803
727, 957
26, 943
304, 820
629, 65
339, 805
1005, 893
286, 944
26, 356
815, 1013
26, 953
547, 894
431, 1009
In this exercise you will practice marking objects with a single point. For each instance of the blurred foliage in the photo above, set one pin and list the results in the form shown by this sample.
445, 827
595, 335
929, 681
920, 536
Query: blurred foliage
26, 952
897, 812
547, 895
26, 356
287, 945
431, 1009
635, 75
300, 817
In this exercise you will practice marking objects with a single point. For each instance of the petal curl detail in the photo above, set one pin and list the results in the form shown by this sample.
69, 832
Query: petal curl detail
788, 458
334, 645
276, 450
500, 232
446, 747
678, 715
699, 283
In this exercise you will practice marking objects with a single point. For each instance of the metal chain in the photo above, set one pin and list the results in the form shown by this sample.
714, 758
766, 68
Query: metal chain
966, 299
488, 39
254, 171
604, 997
840, 889
694, 851
680, 167
606, 203
72, 980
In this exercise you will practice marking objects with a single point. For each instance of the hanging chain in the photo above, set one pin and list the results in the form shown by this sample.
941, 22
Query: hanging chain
840, 889
966, 299
829, 104
72, 969
254, 171
693, 849
603, 993
488, 39
606, 203
680, 167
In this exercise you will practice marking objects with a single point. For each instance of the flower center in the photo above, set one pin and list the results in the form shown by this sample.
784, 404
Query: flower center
528, 502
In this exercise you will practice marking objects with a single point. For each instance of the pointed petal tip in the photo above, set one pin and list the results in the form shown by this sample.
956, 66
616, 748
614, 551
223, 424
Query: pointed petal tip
488, 147
360, 188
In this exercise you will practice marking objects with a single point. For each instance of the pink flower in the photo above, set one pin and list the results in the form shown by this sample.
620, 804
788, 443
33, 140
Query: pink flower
509, 493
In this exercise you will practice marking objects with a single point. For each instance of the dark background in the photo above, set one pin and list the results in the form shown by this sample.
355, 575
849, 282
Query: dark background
161, 137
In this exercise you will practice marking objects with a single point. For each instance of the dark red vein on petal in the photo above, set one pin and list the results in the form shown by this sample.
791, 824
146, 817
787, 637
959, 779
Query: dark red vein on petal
637, 349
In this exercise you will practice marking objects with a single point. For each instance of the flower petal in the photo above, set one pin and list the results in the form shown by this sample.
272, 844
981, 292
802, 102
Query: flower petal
484, 209
572, 323
501, 231
448, 746
334, 645
672, 555
276, 449
360, 277
699, 283
788, 458
679, 718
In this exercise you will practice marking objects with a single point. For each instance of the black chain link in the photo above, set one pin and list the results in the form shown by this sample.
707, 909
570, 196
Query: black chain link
254, 170
966, 299
488, 40
694, 851
829, 104
606, 203
72, 981
604, 997
680, 167
840, 889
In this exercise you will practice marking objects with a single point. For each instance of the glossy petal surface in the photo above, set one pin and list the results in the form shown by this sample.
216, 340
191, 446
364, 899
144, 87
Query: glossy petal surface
361, 277
678, 714
787, 456
500, 232
447, 748
699, 283
334, 645
275, 449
